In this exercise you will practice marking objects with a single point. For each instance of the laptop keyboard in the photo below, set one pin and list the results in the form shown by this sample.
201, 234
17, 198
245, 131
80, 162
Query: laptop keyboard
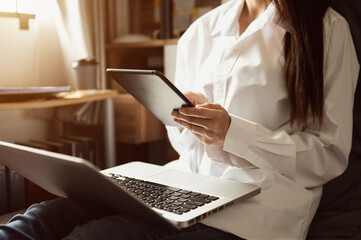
163, 197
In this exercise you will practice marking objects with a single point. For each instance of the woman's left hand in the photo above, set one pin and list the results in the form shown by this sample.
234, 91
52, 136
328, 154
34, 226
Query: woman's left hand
208, 122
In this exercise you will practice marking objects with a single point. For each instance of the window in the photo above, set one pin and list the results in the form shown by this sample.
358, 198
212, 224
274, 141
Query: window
22, 9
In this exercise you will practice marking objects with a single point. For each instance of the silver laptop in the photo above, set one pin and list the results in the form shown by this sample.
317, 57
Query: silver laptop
156, 194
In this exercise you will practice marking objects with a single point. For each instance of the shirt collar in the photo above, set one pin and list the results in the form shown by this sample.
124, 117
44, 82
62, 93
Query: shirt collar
229, 26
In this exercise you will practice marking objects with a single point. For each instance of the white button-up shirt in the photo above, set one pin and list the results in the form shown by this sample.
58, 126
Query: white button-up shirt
245, 74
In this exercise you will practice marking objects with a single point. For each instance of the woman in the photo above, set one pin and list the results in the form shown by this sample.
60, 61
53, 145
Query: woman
273, 82
275, 94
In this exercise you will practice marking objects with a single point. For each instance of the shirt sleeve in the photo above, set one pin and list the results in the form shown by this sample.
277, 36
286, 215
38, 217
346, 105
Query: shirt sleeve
311, 156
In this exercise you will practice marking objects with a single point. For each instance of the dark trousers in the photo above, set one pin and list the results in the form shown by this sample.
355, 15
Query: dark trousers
68, 219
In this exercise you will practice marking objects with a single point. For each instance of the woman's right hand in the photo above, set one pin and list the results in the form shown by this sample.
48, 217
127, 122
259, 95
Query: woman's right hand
195, 98
209, 122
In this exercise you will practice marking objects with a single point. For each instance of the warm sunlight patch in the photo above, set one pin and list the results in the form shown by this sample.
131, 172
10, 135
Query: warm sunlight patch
20, 6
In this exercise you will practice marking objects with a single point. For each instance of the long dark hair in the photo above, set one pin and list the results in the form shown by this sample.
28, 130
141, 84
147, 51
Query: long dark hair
303, 47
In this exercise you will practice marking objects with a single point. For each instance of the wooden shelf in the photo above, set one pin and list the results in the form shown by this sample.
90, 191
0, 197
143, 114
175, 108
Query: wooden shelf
146, 44
61, 99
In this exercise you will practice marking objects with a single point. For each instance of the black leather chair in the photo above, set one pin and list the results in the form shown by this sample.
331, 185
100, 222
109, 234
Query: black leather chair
339, 213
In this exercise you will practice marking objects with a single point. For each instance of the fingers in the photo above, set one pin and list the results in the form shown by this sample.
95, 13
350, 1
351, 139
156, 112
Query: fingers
210, 106
208, 122
196, 129
198, 121
199, 112
202, 134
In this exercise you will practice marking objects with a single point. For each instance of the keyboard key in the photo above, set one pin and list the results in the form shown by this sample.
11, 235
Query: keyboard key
189, 206
174, 207
212, 198
183, 210
168, 209
196, 203
173, 198
162, 186
168, 201
185, 191
176, 194
193, 194
185, 196
198, 199
178, 203
203, 195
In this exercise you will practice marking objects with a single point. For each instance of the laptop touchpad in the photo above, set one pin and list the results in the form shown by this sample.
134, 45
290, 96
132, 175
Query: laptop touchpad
177, 179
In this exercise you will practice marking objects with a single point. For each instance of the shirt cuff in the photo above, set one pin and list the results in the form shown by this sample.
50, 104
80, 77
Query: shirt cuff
181, 139
240, 135
187, 139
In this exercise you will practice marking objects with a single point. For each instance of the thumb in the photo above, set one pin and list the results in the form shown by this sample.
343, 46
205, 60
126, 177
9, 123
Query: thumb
209, 105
